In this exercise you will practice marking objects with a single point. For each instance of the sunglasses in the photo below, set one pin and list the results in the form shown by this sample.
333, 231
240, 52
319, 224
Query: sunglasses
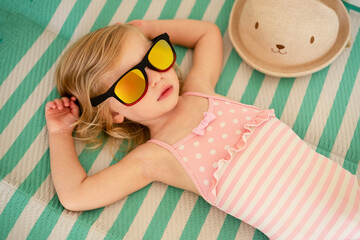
132, 86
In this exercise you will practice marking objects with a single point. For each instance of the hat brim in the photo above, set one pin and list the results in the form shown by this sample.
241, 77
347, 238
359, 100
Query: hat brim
343, 38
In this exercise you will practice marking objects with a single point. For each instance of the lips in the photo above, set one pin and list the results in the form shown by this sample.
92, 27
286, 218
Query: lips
165, 92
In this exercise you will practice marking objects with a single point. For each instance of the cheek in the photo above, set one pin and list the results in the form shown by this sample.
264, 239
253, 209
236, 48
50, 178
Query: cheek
174, 77
115, 106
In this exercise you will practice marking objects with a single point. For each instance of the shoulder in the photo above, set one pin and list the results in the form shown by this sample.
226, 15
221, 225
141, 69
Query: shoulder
155, 159
146, 152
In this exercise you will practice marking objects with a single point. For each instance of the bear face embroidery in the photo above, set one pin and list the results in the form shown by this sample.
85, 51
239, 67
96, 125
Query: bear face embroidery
288, 33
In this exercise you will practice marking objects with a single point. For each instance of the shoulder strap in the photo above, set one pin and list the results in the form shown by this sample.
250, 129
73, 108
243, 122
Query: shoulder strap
209, 97
162, 144
198, 94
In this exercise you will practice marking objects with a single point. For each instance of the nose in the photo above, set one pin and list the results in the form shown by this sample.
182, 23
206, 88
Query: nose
279, 46
153, 76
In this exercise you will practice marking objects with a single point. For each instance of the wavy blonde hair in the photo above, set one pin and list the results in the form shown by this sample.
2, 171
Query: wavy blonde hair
79, 73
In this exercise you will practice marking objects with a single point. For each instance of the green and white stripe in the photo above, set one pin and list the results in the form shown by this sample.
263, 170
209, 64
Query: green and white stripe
323, 109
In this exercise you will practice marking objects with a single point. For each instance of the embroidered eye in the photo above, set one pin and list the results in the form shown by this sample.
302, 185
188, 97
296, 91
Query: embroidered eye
312, 39
256, 25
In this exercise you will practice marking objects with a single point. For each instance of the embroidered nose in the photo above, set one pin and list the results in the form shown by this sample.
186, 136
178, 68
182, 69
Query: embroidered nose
279, 46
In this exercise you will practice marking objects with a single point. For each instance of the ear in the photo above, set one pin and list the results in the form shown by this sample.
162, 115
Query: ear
117, 117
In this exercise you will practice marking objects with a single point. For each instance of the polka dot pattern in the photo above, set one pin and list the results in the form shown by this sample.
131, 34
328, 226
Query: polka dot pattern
201, 153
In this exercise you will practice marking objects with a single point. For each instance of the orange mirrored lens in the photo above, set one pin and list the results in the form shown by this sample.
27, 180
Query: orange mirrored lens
161, 55
131, 86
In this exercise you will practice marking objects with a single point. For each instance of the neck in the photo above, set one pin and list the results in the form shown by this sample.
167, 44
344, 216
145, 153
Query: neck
157, 126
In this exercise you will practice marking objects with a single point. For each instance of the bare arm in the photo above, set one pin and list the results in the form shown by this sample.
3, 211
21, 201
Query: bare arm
75, 189
204, 37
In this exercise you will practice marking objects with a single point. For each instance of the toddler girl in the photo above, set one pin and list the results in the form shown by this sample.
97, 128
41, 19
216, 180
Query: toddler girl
239, 158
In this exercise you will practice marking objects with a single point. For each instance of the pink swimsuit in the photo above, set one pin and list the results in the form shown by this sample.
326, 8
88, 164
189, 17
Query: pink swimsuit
246, 162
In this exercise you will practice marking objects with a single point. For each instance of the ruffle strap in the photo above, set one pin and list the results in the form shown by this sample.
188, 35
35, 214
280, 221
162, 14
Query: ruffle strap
240, 145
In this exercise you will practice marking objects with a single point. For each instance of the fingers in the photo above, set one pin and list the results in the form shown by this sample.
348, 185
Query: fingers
74, 107
50, 105
59, 104
65, 101
137, 23
62, 103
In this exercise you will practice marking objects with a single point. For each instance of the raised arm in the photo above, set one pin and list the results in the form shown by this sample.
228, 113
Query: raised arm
204, 37
76, 190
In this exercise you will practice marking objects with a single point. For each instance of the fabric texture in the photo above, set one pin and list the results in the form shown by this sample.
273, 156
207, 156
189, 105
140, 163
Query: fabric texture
322, 109
251, 165
221, 133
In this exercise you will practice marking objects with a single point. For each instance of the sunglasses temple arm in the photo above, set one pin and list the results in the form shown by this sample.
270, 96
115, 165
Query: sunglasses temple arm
99, 99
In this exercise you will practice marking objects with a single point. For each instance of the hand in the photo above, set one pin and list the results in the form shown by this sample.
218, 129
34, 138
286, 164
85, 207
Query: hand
137, 23
144, 26
61, 114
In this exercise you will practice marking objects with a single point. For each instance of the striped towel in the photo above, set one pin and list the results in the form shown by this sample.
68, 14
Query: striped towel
323, 109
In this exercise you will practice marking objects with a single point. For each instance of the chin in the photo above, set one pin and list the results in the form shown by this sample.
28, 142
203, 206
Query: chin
173, 100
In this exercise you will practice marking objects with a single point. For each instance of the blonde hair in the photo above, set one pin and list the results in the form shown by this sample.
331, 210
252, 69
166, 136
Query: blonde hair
79, 74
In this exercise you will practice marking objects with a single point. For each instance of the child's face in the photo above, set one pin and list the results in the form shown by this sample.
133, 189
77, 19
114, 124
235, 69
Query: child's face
163, 89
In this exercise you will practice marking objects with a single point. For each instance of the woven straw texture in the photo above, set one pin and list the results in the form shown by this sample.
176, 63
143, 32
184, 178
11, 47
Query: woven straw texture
322, 108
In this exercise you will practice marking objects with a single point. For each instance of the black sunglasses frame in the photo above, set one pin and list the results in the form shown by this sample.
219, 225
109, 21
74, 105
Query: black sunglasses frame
141, 66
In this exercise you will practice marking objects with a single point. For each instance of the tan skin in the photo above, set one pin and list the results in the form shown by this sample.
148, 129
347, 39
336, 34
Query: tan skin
174, 114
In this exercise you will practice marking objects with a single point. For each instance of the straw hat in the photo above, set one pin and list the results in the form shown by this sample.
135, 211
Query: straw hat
289, 38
